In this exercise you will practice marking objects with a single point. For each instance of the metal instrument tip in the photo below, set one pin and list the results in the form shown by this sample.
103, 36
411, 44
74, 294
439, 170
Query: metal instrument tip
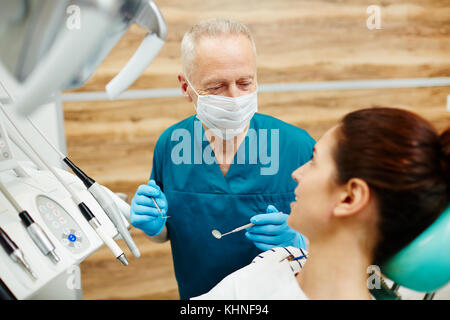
122, 258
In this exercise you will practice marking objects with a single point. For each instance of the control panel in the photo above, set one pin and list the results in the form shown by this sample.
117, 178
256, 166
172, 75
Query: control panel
62, 225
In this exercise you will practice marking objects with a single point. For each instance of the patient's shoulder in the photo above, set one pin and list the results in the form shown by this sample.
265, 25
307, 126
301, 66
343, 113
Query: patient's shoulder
270, 276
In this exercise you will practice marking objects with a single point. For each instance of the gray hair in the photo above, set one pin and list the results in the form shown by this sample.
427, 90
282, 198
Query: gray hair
211, 27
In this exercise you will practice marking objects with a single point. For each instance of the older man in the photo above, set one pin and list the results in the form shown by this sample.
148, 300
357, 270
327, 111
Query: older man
222, 168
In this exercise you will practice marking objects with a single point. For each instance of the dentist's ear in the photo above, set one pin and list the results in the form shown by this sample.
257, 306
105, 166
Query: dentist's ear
353, 198
184, 87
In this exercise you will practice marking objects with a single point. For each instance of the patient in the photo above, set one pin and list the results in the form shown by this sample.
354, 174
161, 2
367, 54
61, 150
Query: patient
376, 181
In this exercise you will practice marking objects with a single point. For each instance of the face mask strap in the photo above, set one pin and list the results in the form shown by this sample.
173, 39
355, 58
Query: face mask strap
192, 87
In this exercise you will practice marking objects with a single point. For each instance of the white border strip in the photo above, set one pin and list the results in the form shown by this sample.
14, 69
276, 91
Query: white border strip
274, 87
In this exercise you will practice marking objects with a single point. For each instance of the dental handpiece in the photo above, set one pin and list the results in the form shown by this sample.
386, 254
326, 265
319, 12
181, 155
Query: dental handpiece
107, 203
112, 210
15, 253
95, 224
36, 233
39, 236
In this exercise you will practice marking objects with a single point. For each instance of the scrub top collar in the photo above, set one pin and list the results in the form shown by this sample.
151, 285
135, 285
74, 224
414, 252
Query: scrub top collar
215, 168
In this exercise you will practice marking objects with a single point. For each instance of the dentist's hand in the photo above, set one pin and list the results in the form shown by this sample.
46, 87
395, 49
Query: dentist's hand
144, 214
271, 230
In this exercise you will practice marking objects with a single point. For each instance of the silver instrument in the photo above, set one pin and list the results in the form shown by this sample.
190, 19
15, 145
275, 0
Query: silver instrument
218, 235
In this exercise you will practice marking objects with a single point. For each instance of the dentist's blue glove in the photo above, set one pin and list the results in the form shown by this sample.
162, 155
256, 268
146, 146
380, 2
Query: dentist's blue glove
144, 214
271, 230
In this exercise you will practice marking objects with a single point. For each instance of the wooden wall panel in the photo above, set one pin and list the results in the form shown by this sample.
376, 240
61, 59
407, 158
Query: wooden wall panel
296, 40
302, 40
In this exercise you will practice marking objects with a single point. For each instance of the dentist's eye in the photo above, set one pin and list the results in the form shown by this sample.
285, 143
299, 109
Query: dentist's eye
215, 85
245, 85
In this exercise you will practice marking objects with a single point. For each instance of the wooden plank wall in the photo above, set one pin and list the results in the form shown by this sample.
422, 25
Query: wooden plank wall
296, 41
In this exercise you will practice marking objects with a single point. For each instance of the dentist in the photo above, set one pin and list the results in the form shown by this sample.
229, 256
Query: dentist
222, 167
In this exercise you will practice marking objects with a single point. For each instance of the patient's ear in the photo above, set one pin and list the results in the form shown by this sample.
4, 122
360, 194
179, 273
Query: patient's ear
353, 198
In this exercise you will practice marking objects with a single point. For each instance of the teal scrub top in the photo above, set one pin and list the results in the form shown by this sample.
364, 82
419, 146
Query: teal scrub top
200, 198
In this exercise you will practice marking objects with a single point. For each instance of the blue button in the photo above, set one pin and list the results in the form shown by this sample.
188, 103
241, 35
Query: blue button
72, 238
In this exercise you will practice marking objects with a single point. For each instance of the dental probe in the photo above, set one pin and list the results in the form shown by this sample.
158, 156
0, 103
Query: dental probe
159, 209
218, 235
95, 224
36, 233
104, 200
15, 253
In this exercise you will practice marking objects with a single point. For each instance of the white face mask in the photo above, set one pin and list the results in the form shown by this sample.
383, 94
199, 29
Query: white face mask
226, 116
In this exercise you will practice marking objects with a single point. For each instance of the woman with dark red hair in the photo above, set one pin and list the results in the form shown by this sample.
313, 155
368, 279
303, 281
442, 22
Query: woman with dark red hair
376, 181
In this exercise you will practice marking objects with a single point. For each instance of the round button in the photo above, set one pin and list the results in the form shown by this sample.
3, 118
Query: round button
55, 224
42, 208
50, 205
72, 238
6, 155
56, 212
62, 220
48, 216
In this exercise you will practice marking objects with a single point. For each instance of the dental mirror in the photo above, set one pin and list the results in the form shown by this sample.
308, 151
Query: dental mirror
216, 233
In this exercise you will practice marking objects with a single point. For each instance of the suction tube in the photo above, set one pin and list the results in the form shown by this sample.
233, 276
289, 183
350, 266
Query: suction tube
147, 51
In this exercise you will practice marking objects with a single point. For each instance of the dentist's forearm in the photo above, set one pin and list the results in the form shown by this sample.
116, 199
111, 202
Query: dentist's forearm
163, 236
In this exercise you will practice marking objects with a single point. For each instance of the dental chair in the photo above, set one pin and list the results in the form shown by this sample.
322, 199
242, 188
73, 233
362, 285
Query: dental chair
423, 265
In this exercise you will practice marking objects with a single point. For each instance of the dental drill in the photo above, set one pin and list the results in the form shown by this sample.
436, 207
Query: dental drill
37, 234
15, 253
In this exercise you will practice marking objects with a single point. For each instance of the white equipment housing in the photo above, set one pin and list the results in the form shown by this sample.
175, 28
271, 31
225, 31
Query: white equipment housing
48, 46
